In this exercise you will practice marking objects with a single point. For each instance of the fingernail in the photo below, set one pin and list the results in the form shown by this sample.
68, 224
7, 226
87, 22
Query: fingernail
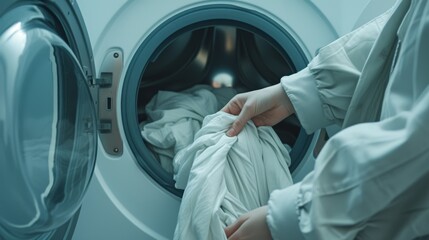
230, 132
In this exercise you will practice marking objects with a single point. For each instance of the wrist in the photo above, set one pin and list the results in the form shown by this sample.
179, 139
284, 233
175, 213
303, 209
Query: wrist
284, 100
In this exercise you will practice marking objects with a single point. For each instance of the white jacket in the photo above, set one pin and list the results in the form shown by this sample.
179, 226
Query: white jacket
371, 180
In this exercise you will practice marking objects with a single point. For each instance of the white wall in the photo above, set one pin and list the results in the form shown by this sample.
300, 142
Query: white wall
97, 13
346, 15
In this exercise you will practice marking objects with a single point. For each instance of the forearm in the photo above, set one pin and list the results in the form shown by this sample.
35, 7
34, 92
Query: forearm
359, 172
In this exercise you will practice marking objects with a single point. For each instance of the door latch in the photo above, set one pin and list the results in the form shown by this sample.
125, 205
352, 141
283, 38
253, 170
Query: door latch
108, 82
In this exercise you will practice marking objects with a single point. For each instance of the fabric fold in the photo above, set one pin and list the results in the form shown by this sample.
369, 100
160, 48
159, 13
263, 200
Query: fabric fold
175, 117
224, 177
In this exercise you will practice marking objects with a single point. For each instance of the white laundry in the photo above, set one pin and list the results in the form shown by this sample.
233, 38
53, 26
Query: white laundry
225, 177
175, 117
228, 175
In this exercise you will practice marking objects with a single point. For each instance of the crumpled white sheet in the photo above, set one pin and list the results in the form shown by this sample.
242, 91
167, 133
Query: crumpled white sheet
224, 177
175, 117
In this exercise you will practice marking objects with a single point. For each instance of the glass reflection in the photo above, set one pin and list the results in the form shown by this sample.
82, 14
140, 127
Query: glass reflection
47, 133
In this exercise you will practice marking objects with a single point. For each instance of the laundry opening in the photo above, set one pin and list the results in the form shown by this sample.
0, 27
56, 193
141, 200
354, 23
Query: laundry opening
221, 56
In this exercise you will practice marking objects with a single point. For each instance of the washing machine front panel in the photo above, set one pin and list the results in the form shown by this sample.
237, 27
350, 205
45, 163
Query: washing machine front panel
47, 121
287, 18
124, 194
124, 199
244, 45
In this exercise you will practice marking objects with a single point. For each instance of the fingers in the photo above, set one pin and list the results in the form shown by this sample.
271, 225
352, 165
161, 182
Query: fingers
234, 109
251, 226
231, 229
233, 106
237, 106
235, 129
245, 115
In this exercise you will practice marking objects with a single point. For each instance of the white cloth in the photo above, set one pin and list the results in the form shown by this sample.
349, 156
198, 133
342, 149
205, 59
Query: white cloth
224, 177
370, 180
175, 117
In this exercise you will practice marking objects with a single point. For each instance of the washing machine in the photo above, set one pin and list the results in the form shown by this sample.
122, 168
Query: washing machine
75, 163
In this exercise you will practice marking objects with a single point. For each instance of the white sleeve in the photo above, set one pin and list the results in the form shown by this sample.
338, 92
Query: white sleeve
363, 170
321, 93
377, 160
282, 218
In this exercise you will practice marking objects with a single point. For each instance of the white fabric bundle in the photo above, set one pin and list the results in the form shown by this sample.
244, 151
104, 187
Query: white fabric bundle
226, 176
175, 117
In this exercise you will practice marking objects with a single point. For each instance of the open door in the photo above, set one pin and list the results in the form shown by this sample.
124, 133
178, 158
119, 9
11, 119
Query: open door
48, 133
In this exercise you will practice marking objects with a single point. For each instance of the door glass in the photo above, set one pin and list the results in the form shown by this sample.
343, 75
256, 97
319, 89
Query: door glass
47, 127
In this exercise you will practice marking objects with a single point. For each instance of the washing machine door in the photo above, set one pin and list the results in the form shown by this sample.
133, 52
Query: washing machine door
47, 119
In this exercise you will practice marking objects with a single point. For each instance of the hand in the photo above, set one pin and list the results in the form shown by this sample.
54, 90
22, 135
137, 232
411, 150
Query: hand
252, 225
266, 107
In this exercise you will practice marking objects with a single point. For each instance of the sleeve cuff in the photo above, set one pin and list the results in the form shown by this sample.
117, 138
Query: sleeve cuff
304, 96
282, 217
